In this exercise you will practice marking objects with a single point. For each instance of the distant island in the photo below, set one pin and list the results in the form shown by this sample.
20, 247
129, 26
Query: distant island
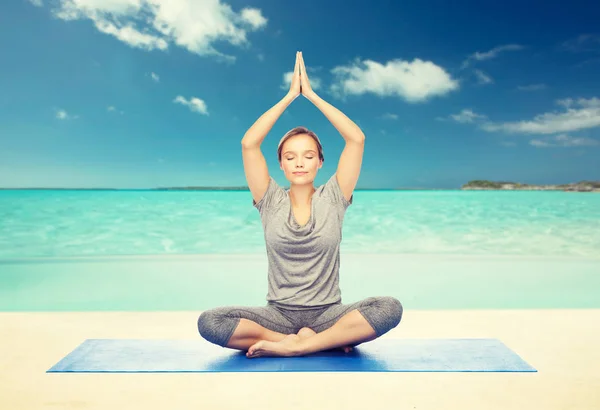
475, 185
583, 186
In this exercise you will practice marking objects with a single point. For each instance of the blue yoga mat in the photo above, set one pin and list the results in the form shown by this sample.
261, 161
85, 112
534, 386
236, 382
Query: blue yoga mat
381, 355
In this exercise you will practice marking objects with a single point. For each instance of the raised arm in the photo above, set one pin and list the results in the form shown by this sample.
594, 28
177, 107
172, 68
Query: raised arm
350, 162
255, 165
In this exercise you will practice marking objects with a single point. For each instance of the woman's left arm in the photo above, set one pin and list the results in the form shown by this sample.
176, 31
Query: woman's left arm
350, 162
349, 130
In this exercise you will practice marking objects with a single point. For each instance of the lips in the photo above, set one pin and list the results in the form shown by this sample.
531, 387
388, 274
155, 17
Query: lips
300, 173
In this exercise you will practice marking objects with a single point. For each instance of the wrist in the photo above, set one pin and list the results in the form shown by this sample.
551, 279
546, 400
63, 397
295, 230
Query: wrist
289, 97
311, 96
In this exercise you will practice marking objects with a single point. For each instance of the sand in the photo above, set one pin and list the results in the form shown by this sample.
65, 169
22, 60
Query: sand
563, 345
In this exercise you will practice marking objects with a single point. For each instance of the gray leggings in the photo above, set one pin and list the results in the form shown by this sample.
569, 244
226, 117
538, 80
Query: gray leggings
217, 325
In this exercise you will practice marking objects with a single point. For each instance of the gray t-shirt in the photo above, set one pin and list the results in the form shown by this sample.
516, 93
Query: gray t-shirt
304, 261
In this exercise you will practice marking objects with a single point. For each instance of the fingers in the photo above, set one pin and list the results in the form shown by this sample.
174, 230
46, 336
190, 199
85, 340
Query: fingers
303, 67
302, 63
295, 81
306, 88
296, 64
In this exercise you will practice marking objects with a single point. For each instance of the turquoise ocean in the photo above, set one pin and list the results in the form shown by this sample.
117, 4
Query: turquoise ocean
191, 250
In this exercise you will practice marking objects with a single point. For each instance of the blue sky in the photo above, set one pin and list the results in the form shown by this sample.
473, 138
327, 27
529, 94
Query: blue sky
144, 94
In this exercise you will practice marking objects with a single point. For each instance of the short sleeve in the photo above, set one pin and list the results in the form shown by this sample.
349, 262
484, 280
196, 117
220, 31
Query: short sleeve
274, 195
333, 191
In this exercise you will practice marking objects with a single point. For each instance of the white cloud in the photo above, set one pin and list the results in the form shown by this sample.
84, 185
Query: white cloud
414, 81
155, 77
37, 3
583, 43
315, 82
483, 78
586, 115
254, 18
130, 35
154, 24
564, 140
532, 87
567, 102
467, 116
493, 53
112, 108
589, 103
389, 116
194, 104
64, 115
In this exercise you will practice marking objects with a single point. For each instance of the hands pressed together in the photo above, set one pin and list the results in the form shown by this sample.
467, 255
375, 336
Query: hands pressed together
300, 83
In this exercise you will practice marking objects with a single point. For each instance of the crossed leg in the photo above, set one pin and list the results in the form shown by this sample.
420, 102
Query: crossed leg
360, 322
307, 332
350, 329
340, 326
239, 327
248, 333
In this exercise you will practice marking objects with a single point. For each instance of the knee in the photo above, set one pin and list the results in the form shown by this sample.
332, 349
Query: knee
206, 322
393, 309
213, 325
383, 313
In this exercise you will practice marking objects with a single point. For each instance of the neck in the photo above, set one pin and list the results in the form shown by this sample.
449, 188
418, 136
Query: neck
301, 194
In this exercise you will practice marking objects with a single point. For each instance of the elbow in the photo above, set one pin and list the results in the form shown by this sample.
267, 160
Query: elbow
359, 139
246, 143
250, 145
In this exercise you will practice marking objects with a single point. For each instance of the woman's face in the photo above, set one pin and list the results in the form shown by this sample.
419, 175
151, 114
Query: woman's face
300, 153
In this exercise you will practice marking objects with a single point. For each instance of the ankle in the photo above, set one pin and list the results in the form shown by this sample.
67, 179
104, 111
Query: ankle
306, 332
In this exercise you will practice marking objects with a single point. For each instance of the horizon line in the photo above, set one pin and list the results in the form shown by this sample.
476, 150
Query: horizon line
471, 184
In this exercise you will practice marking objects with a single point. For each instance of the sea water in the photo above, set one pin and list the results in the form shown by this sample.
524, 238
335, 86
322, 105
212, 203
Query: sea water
93, 223
193, 250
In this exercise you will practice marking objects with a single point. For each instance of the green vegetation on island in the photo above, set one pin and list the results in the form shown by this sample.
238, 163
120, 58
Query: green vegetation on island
583, 186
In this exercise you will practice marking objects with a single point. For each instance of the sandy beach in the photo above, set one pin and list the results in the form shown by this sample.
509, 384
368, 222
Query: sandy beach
561, 344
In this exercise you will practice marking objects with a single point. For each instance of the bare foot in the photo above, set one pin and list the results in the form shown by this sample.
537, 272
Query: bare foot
285, 348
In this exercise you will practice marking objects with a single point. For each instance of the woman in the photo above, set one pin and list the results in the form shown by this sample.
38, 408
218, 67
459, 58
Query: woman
303, 231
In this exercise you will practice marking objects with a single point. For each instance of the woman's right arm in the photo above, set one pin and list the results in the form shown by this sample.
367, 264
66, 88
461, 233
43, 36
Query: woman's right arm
255, 165
259, 130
